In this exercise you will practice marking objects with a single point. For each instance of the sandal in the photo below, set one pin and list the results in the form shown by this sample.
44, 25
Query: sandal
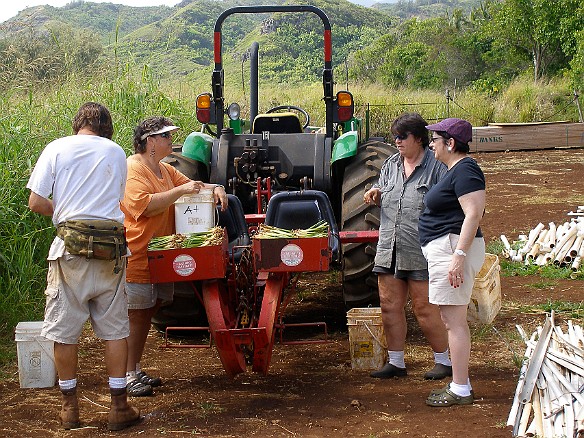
445, 397
147, 380
435, 392
136, 388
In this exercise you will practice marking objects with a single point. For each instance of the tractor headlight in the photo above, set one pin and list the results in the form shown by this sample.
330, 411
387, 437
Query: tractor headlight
233, 111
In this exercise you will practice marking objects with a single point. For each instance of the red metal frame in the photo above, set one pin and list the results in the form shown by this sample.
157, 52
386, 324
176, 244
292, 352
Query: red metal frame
359, 236
280, 326
267, 192
272, 273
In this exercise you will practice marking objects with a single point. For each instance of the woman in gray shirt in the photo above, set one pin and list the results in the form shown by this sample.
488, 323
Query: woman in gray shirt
402, 270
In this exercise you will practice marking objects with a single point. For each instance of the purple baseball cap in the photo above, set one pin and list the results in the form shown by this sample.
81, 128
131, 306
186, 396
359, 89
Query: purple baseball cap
458, 129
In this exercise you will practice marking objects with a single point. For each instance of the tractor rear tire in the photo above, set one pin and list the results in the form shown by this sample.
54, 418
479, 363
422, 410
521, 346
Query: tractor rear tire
186, 310
359, 284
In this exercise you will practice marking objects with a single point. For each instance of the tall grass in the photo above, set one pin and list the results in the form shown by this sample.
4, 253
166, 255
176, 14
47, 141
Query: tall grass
30, 120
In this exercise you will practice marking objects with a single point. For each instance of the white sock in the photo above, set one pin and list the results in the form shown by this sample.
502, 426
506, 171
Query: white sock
442, 358
67, 385
461, 390
469, 385
396, 358
138, 368
117, 382
131, 376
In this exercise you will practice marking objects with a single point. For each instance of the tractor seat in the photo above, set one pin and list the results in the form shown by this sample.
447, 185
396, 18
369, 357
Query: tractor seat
233, 220
277, 123
301, 210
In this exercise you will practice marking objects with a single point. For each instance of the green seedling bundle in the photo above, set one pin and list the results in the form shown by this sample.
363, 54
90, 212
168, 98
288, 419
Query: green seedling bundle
214, 236
320, 229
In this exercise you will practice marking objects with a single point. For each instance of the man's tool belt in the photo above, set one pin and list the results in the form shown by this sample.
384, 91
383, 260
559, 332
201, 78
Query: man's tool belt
95, 239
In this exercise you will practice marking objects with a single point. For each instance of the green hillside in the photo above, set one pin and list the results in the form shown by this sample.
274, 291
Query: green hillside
177, 41
405, 9
420, 44
103, 20
181, 44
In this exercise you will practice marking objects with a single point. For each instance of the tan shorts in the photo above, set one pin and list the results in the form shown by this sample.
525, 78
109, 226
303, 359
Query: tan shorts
79, 289
438, 253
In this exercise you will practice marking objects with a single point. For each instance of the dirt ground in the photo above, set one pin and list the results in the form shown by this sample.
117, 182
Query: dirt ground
311, 390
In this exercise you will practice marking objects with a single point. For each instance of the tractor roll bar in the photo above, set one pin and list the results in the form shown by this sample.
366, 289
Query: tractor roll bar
218, 74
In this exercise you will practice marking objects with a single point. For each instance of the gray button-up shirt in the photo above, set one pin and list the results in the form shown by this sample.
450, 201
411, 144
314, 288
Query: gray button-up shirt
402, 202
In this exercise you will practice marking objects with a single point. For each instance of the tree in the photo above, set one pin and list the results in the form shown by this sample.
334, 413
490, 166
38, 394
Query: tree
544, 30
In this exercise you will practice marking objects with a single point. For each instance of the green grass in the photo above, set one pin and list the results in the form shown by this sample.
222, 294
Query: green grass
551, 272
520, 269
565, 309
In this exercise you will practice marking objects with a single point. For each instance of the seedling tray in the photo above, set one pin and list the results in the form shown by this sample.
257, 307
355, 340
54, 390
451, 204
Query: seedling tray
292, 255
188, 264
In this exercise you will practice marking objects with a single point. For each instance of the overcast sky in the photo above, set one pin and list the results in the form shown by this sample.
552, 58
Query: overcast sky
10, 8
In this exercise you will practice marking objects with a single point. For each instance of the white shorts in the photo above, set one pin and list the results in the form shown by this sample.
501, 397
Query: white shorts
79, 289
145, 295
438, 253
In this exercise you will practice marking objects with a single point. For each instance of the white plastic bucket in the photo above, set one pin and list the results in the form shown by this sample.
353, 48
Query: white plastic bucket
36, 358
194, 213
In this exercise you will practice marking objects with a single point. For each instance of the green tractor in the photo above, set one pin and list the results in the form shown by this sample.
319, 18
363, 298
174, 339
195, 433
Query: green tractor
278, 151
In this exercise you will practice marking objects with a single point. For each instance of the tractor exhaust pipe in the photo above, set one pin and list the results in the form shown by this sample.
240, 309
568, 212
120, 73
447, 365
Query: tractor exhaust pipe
253, 82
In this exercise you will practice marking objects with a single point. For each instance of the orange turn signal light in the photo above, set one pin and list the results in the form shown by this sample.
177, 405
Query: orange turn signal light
204, 101
344, 98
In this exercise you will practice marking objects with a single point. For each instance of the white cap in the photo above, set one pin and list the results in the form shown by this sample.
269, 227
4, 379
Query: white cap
160, 131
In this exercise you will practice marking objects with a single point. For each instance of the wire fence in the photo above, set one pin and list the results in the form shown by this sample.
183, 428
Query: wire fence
380, 116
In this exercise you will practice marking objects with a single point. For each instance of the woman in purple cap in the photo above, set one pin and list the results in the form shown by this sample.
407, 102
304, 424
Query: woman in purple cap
453, 244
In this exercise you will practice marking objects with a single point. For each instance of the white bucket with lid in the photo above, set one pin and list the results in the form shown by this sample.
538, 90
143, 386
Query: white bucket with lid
194, 213
36, 357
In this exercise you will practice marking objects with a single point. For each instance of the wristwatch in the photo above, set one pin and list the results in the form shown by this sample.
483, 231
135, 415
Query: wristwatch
459, 252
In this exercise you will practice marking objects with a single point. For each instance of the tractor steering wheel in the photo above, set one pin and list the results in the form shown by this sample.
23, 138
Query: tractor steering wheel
289, 108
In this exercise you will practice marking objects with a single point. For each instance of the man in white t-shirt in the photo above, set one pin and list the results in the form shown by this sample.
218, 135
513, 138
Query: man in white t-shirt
82, 178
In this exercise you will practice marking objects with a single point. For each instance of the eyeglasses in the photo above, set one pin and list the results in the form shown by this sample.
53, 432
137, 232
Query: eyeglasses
401, 136
434, 140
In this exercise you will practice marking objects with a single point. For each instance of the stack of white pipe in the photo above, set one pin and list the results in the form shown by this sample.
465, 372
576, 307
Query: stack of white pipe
561, 245
549, 399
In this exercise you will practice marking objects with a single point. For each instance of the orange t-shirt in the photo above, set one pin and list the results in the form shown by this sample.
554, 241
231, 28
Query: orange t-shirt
141, 185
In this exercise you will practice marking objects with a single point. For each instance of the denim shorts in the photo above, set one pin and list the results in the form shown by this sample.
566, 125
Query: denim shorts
145, 295
401, 274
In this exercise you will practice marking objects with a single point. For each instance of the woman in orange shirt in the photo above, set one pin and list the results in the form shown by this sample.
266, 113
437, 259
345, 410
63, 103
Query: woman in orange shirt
152, 188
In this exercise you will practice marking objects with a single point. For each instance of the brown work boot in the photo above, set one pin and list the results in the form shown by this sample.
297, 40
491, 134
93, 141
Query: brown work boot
121, 414
70, 410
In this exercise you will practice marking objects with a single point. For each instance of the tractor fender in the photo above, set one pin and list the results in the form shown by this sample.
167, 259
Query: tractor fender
345, 146
197, 146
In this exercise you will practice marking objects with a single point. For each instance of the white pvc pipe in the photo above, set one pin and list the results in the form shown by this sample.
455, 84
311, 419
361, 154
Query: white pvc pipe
551, 237
537, 420
533, 235
576, 263
542, 237
575, 248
